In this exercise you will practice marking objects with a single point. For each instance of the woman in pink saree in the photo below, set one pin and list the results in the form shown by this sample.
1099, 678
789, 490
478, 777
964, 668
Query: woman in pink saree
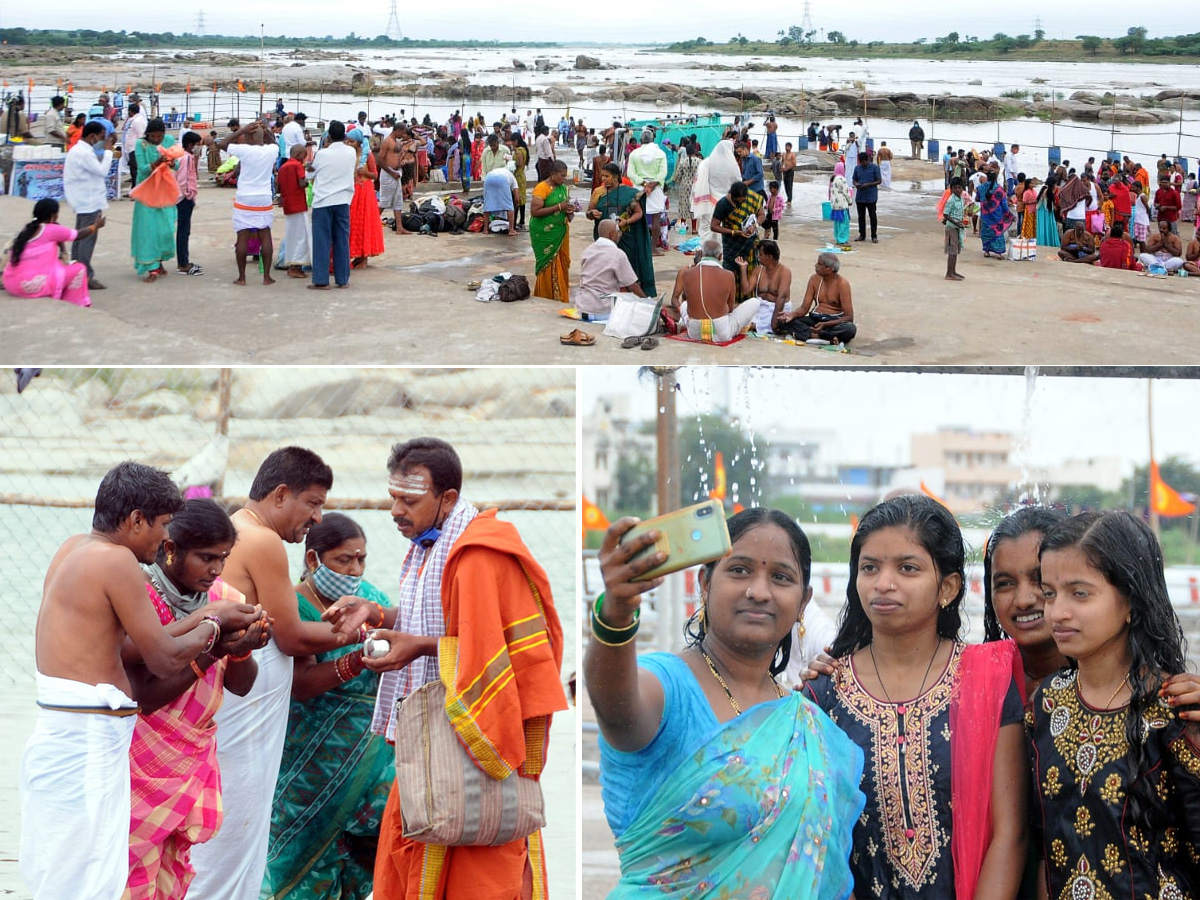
34, 268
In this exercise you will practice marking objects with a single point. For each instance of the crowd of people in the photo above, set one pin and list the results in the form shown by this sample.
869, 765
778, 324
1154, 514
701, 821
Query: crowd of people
1059, 758
210, 729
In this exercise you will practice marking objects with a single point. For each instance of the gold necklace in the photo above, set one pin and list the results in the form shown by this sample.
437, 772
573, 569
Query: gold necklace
1124, 681
737, 710
248, 511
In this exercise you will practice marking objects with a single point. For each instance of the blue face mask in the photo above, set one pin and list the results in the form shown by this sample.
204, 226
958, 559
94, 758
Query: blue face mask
428, 537
332, 585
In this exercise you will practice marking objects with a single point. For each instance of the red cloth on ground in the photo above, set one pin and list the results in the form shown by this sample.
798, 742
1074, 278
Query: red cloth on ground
687, 340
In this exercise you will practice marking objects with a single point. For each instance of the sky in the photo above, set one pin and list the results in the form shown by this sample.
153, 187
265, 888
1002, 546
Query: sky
534, 20
875, 412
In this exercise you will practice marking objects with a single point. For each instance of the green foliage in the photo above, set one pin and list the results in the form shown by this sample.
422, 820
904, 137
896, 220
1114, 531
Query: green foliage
836, 37
636, 484
88, 38
1090, 42
699, 440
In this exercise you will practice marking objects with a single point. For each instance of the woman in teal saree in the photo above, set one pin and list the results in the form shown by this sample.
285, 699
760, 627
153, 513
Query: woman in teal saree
336, 774
625, 204
717, 781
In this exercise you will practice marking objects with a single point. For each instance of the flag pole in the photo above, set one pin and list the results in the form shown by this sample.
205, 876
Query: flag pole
1150, 430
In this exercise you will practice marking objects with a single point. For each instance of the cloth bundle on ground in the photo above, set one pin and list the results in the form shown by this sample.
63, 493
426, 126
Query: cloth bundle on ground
515, 288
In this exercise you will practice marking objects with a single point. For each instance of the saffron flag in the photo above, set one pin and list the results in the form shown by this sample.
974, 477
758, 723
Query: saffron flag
928, 493
240, 86
593, 517
1164, 499
737, 508
718, 491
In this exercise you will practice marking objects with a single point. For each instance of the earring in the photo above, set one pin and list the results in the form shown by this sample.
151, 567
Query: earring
703, 616
170, 559
801, 629
944, 604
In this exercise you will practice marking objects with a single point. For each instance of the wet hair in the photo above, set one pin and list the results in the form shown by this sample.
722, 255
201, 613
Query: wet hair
1123, 549
156, 126
738, 190
337, 131
190, 140
558, 166
956, 182
695, 631
769, 248
934, 528
1027, 520
201, 523
134, 109
43, 211
130, 486
295, 467
774, 186
332, 531
612, 169
441, 459
90, 128
830, 261
1118, 230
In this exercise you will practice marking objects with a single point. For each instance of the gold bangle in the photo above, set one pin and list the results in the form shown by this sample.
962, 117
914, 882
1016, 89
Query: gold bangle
602, 632
199, 671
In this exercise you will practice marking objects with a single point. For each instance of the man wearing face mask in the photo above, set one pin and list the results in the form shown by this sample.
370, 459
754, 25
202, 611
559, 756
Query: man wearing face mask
285, 501
463, 566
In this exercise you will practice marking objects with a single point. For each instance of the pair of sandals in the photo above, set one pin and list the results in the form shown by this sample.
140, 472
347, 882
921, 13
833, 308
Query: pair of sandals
577, 338
645, 342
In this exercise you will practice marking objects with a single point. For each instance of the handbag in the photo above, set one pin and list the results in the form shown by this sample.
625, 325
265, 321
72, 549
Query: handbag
445, 798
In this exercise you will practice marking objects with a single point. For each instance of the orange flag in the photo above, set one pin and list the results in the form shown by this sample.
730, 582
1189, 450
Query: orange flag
593, 517
928, 493
718, 491
240, 86
737, 508
1164, 498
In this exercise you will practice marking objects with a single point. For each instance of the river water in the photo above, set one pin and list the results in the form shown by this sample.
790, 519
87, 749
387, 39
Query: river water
934, 76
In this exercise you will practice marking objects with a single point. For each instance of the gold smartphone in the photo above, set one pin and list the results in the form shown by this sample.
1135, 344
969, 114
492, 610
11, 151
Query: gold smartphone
689, 536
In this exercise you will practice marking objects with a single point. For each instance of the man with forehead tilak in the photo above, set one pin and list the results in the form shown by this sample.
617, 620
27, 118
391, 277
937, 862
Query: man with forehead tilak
501, 674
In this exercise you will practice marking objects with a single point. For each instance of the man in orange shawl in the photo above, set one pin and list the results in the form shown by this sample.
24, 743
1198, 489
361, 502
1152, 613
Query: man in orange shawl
502, 674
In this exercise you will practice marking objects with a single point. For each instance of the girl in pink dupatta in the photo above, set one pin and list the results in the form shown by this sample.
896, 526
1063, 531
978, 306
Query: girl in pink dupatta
939, 722
34, 268
174, 781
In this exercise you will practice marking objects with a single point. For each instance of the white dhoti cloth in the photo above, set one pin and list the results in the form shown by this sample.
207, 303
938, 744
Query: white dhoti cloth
391, 194
74, 786
250, 735
726, 328
766, 314
885, 174
297, 239
656, 201
253, 213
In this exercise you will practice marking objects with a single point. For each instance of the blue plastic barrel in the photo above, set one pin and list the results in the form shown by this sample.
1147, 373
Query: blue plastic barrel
933, 148
870, 143
998, 149
1054, 154
1114, 156
803, 142
1183, 163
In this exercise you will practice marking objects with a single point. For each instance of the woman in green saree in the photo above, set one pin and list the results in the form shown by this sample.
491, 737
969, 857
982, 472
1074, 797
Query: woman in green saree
336, 774
628, 207
152, 237
550, 215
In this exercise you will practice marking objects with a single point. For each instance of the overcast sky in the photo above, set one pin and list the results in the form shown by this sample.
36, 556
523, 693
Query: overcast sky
875, 412
658, 21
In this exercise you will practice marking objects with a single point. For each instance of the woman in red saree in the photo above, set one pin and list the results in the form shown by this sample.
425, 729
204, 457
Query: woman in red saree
366, 228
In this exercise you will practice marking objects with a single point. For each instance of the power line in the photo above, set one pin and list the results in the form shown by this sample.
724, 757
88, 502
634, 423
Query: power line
806, 23
200, 22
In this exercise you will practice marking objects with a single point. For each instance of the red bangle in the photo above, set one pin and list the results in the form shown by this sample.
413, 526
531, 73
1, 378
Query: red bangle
245, 656
199, 671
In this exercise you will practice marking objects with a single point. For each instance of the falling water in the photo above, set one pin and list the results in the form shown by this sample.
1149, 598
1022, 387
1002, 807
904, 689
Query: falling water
1030, 490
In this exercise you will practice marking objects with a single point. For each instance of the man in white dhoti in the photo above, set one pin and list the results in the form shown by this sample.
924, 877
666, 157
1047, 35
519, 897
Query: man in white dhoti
648, 170
885, 165
286, 498
74, 776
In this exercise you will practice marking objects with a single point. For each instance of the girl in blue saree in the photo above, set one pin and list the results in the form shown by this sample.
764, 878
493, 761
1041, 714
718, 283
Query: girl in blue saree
995, 216
717, 781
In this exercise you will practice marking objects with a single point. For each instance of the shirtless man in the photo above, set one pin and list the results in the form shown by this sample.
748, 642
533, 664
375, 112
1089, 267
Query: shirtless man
286, 498
1192, 260
789, 170
772, 280
74, 776
830, 306
1077, 245
709, 293
1163, 249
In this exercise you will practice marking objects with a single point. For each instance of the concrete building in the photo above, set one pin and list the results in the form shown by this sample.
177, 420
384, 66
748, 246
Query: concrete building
976, 465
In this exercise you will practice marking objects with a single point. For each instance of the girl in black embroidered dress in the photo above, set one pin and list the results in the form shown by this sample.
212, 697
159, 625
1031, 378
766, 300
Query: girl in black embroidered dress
1116, 770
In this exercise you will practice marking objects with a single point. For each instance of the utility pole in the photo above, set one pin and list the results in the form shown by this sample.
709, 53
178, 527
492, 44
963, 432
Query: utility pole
669, 605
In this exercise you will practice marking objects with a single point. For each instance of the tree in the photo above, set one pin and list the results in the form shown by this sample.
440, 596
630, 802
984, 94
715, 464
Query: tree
1178, 473
636, 484
1039, 35
1090, 42
951, 38
836, 37
699, 440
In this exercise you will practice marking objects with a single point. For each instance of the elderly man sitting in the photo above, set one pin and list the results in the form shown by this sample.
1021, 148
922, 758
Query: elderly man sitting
604, 270
827, 298
709, 293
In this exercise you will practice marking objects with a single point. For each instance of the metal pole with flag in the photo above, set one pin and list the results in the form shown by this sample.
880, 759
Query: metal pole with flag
593, 518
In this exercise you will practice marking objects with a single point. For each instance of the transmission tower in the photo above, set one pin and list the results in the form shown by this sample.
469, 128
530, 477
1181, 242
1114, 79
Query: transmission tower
806, 23
1037, 24
393, 26
200, 22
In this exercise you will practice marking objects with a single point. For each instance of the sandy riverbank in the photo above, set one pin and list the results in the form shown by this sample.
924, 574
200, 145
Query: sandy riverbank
411, 306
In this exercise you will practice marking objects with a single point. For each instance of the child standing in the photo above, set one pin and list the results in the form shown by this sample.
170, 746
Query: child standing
186, 177
774, 210
1116, 765
954, 217
293, 197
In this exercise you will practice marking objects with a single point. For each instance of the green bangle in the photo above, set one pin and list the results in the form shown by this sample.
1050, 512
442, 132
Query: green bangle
637, 615
610, 637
